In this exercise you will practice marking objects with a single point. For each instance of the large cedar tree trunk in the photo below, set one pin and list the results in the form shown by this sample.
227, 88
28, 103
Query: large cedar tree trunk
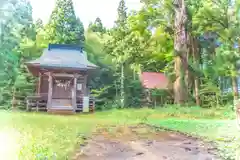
235, 88
195, 51
180, 47
187, 76
235, 82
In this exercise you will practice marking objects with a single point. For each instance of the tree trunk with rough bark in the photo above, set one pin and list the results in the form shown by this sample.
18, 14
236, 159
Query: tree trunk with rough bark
235, 82
196, 57
235, 88
180, 47
122, 94
187, 77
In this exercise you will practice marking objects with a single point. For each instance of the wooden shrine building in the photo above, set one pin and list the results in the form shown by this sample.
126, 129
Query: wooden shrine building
63, 72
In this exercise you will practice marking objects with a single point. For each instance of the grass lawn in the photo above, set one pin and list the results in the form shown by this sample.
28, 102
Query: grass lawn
223, 133
30, 136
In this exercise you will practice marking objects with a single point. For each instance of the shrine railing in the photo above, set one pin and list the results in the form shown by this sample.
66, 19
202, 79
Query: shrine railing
37, 102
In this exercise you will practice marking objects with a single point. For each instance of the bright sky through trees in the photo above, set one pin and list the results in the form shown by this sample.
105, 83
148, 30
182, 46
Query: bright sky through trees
87, 10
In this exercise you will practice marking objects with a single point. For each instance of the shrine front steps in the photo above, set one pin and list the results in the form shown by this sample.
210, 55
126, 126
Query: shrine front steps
61, 111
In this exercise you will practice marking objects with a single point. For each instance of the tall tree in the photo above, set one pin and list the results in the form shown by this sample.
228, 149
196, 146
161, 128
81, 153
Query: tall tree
97, 26
122, 14
180, 47
18, 27
26, 50
39, 24
121, 23
116, 46
64, 27
80, 30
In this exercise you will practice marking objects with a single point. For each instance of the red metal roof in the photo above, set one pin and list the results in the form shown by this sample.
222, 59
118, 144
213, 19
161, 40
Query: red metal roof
153, 80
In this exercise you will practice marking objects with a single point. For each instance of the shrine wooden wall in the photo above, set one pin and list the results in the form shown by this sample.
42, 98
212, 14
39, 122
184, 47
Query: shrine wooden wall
60, 92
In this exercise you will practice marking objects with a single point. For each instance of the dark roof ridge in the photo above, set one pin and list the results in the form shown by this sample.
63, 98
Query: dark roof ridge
65, 46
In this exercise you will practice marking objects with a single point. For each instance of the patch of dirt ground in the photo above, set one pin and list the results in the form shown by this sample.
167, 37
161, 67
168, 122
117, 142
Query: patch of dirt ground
143, 143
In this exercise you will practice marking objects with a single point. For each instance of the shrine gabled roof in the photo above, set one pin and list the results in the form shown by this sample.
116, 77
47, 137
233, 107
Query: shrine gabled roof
63, 56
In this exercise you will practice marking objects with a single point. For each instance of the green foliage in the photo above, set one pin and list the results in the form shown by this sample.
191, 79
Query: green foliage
64, 27
18, 32
139, 41
134, 93
116, 46
39, 24
97, 26
101, 82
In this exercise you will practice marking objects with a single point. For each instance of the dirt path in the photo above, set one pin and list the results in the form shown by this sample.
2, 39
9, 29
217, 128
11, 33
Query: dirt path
143, 143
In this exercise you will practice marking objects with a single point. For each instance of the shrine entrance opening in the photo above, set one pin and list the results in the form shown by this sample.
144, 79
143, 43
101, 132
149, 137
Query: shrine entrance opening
62, 92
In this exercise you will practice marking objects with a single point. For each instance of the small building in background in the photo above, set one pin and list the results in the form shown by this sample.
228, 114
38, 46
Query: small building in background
154, 82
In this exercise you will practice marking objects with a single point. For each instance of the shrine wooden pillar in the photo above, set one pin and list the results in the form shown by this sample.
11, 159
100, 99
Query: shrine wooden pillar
74, 96
50, 86
39, 83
